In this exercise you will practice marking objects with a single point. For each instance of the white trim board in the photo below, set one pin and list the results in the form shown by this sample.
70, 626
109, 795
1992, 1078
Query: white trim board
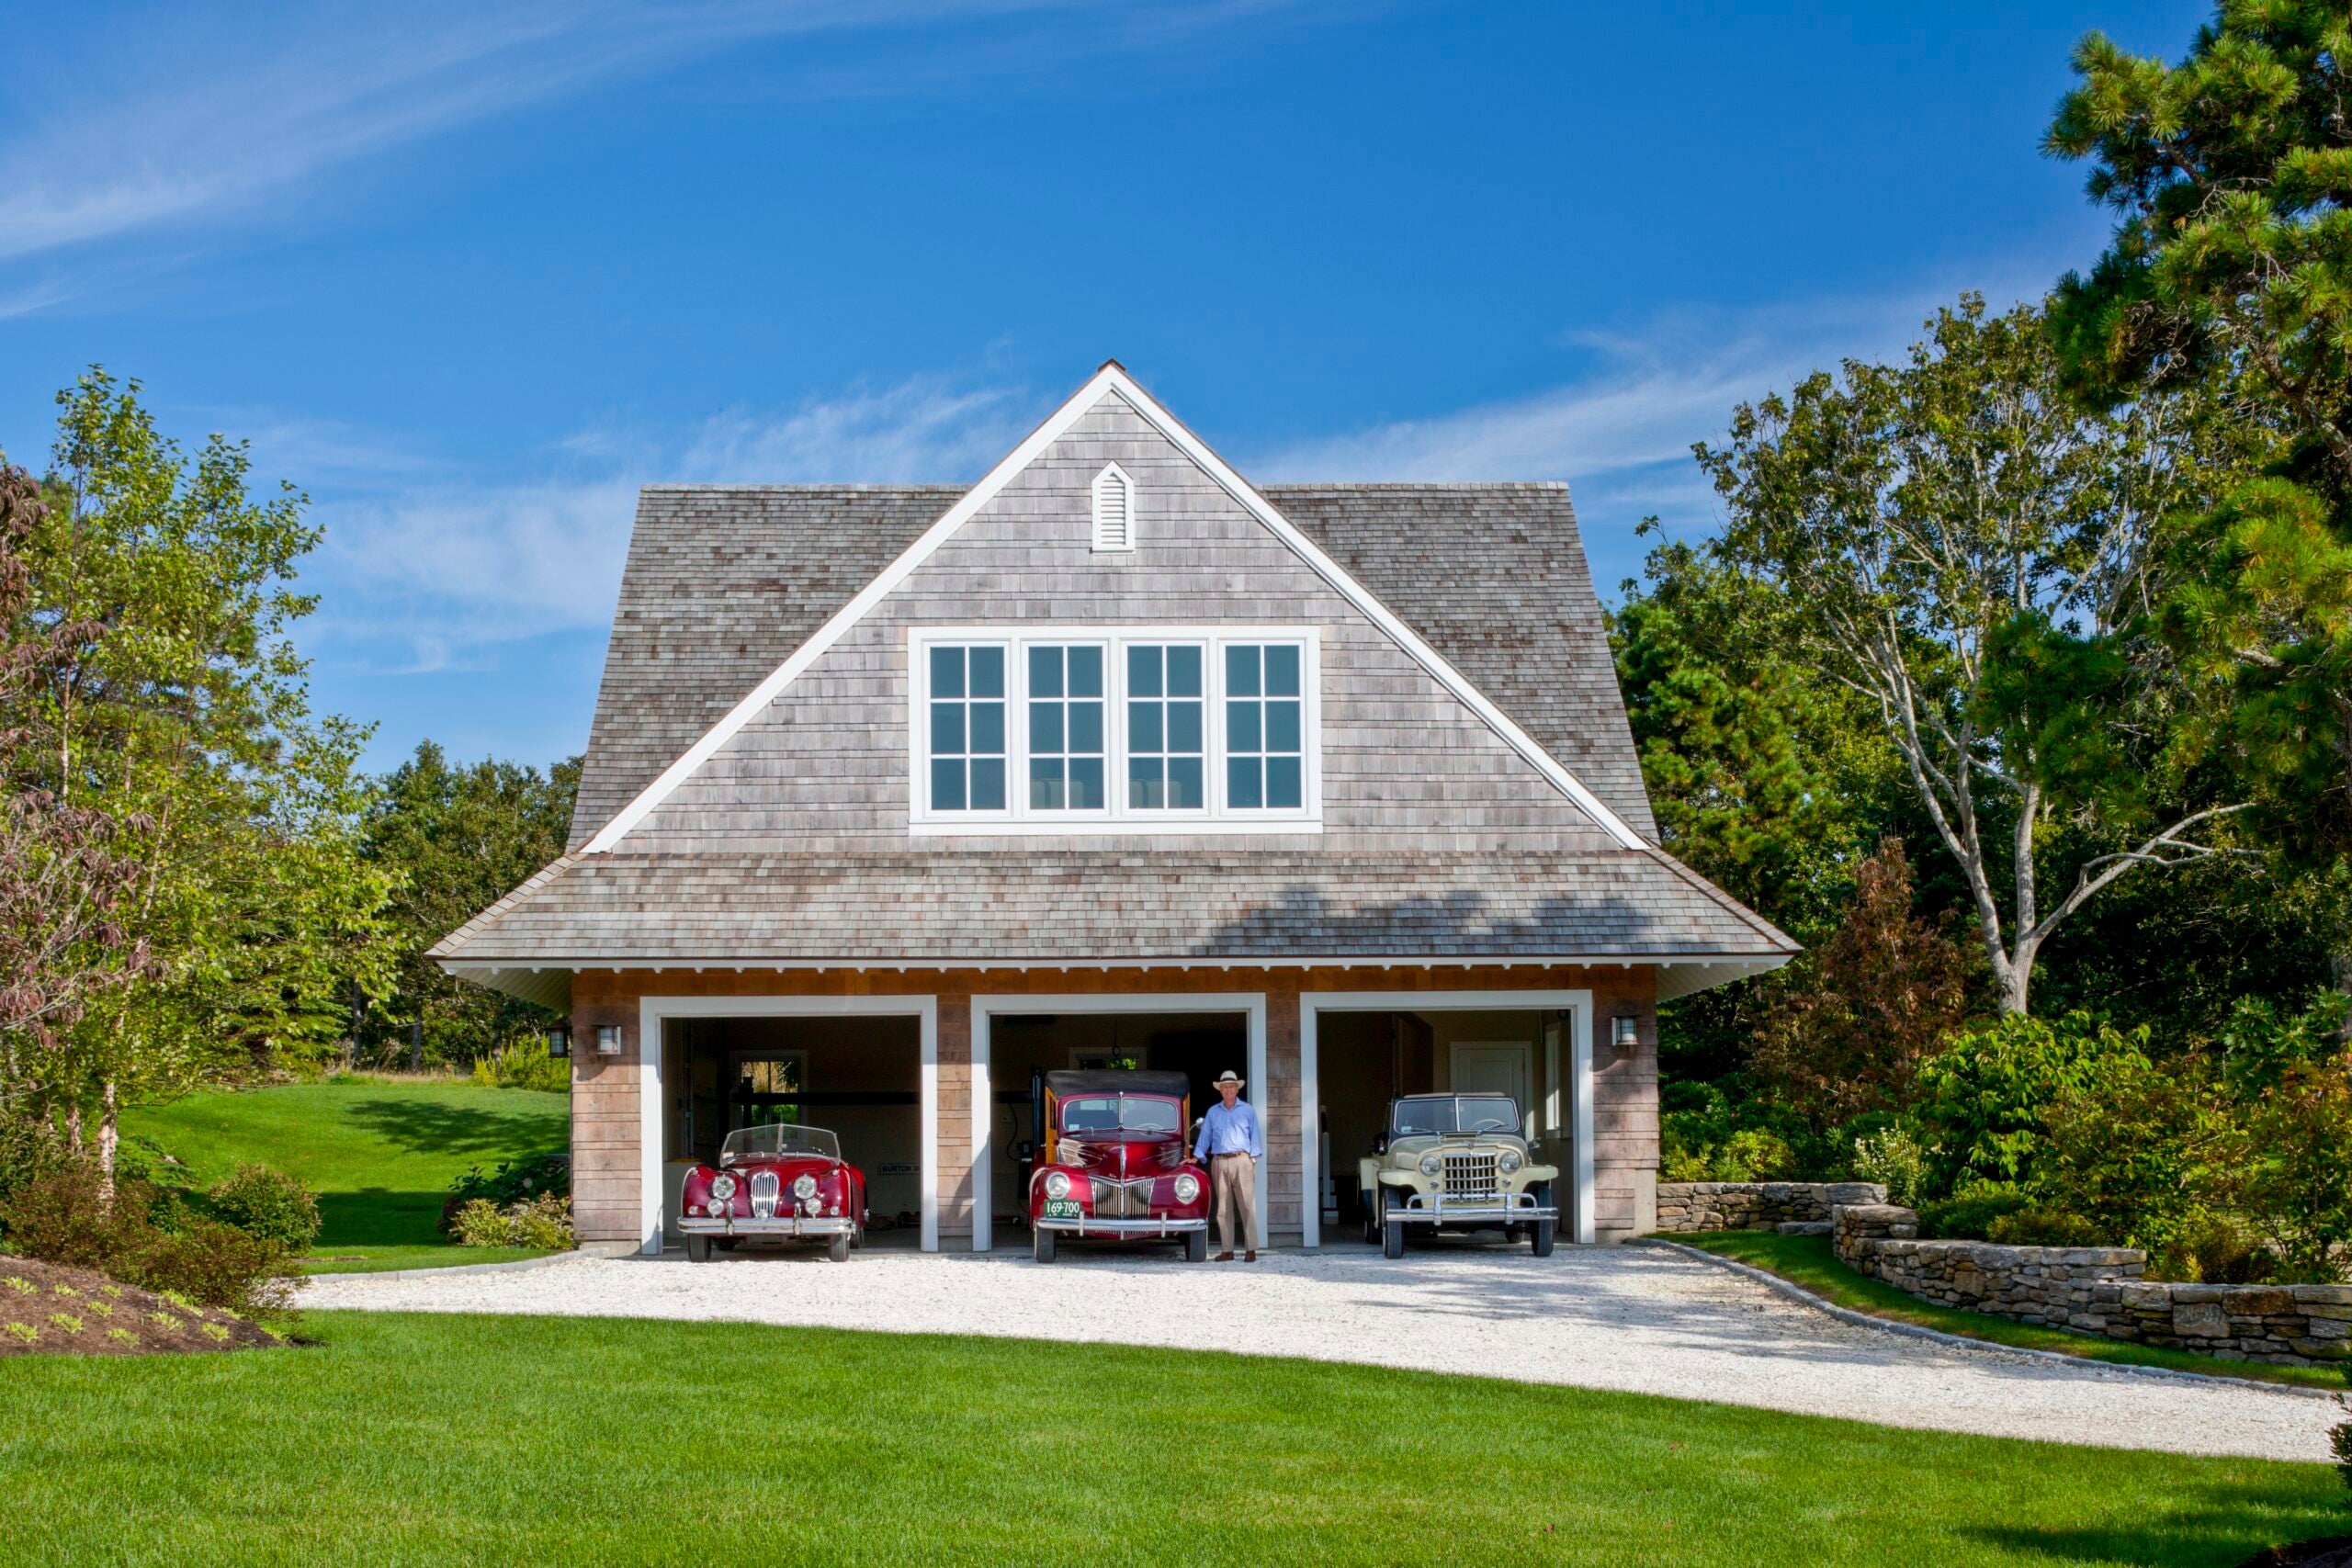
653, 1012
1313, 1004
1251, 1005
1112, 378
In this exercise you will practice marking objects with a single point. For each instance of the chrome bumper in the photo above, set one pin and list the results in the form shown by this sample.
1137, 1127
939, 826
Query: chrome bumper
1485, 1209
1085, 1225
796, 1224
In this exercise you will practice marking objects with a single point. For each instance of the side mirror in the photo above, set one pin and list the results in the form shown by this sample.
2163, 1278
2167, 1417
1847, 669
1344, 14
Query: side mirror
1023, 1149
1380, 1145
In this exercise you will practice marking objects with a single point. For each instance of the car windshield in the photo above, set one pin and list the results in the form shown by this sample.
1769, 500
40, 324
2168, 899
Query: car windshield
1453, 1114
1118, 1113
778, 1141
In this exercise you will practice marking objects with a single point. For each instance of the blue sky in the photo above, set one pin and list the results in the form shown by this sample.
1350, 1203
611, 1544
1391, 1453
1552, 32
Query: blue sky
470, 275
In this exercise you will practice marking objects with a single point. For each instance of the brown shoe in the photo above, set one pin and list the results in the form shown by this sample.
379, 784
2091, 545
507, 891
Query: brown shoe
1228, 1257
1250, 1258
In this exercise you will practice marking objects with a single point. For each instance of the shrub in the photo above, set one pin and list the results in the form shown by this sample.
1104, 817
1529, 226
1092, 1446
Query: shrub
62, 1219
2216, 1250
268, 1204
1989, 1093
523, 1066
2299, 1191
1970, 1215
2146, 1153
543, 1221
2037, 1224
1894, 1160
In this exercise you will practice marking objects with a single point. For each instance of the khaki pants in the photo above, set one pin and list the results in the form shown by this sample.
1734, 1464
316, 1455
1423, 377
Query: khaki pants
1233, 1180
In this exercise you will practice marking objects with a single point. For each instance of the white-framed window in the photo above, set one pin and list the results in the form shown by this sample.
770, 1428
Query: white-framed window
964, 727
1265, 726
1148, 729
1069, 732
1167, 728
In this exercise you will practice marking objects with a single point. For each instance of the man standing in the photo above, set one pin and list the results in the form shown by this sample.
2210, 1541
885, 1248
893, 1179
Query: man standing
1232, 1144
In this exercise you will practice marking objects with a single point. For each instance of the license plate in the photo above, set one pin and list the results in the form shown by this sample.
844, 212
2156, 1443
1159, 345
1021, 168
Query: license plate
1061, 1209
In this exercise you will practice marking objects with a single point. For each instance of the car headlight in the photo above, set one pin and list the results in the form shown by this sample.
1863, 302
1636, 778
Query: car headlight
722, 1186
1057, 1184
1509, 1162
804, 1186
1188, 1187
1431, 1164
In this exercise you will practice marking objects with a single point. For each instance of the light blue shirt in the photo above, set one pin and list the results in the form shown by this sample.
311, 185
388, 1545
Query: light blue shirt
1230, 1131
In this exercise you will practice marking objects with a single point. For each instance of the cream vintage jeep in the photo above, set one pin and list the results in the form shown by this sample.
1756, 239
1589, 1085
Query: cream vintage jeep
1458, 1162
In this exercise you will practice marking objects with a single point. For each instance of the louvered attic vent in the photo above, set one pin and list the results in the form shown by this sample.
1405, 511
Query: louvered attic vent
1115, 510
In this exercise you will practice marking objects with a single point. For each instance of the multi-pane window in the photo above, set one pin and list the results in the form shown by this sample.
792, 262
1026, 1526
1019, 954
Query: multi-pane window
1088, 729
1167, 750
967, 729
1264, 728
1066, 729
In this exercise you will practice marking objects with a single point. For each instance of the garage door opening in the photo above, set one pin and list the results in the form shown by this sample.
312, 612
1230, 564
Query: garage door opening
1024, 1047
858, 1078
1362, 1050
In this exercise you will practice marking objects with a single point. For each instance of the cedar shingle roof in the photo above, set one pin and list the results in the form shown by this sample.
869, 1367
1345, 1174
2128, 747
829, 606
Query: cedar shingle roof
990, 906
723, 582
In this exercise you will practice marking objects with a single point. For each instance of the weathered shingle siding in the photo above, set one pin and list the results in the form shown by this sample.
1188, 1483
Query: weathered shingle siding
1406, 765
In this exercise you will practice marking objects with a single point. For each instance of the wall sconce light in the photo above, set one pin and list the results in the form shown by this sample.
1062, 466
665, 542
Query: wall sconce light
1625, 1032
608, 1040
559, 1040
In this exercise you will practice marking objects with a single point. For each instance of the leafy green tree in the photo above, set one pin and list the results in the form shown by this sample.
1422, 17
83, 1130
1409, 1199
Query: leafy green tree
1965, 550
189, 720
456, 838
2232, 258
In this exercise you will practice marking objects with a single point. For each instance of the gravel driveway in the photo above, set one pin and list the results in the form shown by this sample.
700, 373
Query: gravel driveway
1636, 1318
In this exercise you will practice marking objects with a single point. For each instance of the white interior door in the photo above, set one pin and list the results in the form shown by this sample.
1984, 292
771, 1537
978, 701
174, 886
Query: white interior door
1498, 1068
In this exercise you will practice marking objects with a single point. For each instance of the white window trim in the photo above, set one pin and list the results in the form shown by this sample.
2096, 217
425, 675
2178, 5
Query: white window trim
1117, 818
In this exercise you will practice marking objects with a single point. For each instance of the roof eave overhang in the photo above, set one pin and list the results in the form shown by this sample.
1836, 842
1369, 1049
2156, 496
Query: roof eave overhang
548, 981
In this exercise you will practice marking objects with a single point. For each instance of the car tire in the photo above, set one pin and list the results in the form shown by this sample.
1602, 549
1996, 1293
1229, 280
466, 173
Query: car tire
698, 1249
1042, 1245
1196, 1246
1540, 1236
1392, 1239
837, 1248
858, 1239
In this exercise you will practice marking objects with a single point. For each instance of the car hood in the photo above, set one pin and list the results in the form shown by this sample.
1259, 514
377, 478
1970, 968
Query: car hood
1418, 1144
1121, 1154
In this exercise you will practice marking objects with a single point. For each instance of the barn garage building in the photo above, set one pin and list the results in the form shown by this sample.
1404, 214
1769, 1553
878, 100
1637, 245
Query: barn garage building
897, 796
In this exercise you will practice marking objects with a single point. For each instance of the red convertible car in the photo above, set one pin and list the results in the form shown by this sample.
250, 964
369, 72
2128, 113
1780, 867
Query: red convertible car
783, 1182
1114, 1164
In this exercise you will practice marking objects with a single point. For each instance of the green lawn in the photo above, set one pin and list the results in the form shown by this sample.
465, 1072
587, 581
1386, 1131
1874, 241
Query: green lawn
381, 1153
1808, 1260
425, 1440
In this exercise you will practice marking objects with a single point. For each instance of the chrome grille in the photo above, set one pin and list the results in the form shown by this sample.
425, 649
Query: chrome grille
764, 1188
1116, 1200
1469, 1174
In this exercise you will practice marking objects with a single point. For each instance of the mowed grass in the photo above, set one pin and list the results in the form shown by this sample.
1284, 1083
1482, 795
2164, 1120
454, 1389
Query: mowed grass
404, 1440
1809, 1261
380, 1153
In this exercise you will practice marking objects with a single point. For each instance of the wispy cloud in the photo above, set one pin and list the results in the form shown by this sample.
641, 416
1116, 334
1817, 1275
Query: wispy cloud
201, 125
429, 567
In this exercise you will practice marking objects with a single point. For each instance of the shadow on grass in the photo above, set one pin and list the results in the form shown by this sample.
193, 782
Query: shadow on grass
376, 1216
2220, 1527
468, 1132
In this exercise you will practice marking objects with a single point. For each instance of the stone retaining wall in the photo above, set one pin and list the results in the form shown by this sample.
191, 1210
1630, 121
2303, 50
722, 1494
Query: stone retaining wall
1755, 1205
2096, 1290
